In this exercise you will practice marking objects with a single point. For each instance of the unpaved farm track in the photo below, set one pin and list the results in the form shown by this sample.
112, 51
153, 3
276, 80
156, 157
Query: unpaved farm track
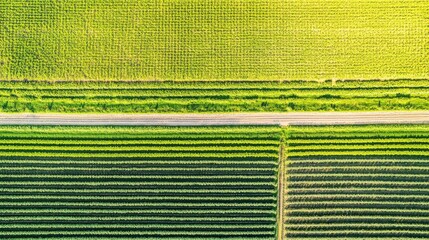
305, 118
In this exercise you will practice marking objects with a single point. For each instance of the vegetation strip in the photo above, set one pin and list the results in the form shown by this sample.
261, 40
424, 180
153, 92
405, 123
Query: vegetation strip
211, 97
281, 192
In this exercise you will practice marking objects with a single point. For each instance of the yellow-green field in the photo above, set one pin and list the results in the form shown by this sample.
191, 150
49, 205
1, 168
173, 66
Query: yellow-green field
213, 39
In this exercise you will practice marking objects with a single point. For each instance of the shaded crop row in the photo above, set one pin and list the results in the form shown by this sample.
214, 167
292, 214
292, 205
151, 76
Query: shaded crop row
351, 182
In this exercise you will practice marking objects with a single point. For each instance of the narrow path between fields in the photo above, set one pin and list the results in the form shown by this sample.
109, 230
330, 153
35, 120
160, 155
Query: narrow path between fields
303, 118
280, 208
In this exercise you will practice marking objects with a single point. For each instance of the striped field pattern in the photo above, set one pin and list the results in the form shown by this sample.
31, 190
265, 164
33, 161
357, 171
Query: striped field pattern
138, 182
357, 182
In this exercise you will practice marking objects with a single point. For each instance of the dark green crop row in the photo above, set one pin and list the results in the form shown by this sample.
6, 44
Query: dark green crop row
198, 97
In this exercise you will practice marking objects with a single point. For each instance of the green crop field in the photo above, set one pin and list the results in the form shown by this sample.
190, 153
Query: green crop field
213, 39
213, 182
138, 182
199, 97
244, 182
357, 182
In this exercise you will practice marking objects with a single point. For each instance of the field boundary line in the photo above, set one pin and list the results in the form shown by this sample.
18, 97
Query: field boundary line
280, 199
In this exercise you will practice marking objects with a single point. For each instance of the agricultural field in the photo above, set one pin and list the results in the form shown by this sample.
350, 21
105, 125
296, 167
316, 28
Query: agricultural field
213, 182
243, 182
211, 97
138, 182
357, 182
213, 39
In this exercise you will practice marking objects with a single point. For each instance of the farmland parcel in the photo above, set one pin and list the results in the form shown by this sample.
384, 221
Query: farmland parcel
357, 182
214, 39
214, 182
138, 182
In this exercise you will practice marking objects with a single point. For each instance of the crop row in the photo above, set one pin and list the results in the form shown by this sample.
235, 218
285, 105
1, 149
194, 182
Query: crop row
169, 131
215, 94
141, 142
123, 85
159, 155
149, 149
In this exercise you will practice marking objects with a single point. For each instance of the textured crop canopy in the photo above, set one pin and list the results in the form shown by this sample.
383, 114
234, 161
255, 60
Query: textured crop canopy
214, 39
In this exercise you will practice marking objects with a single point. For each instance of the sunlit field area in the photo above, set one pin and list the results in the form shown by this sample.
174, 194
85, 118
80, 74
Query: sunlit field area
213, 39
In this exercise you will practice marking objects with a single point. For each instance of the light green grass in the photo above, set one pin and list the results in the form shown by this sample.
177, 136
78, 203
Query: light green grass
211, 97
213, 39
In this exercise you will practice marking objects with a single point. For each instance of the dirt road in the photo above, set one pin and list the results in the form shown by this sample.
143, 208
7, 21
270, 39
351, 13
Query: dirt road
304, 118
